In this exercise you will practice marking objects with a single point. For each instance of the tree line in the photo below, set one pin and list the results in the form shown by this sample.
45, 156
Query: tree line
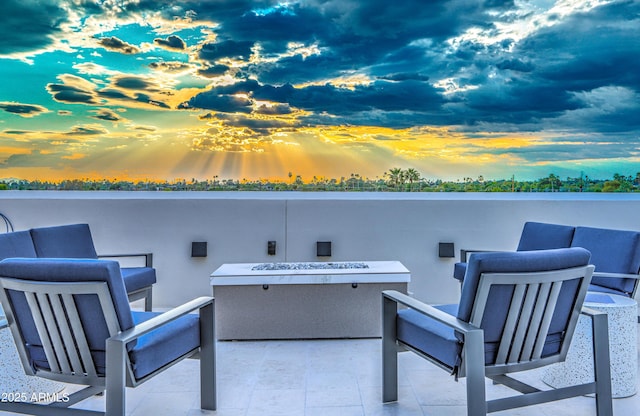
393, 180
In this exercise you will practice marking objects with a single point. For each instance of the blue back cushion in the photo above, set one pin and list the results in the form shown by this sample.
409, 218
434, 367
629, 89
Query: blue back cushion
69, 270
543, 236
499, 296
613, 251
16, 244
67, 241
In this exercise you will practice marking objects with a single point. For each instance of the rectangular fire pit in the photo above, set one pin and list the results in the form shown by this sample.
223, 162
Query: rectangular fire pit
303, 300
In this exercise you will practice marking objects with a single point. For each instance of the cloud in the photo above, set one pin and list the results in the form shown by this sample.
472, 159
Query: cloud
133, 82
213, 71
73, 90
172, 42
126, 90
116, 45
23, 110
107, 115
173, 67
538, 81
220, 102
228, 49
87, 130
504, 66
28, 26
410, 95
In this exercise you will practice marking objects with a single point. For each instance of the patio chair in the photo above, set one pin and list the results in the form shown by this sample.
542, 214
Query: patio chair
534, 236
75, 241
518, 311
616, 255
71, 322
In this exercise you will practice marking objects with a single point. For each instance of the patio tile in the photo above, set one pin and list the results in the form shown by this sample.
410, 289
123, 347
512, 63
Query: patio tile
324, 378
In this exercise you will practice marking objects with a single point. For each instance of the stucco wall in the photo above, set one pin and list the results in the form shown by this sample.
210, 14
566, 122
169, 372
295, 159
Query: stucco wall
362, 226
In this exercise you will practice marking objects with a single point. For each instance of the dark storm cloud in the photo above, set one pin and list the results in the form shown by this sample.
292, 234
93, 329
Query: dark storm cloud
351, 34
405, 77
225, 49
23, 110
527, 82
219, 102
515, 65
278, 109
28, 25
169, 67
172, 42
403, 47
116, 45
213, 71
408, 95
583, 53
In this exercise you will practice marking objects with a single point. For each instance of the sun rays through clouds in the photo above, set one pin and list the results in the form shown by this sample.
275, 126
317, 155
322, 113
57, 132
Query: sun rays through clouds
259, 89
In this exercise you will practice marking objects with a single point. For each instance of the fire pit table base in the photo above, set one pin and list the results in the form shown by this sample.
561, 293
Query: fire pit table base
311, 303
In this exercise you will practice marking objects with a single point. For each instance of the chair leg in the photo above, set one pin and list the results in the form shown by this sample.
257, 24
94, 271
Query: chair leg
208, 399
389, 351
601, 365
116, 381
474, 370
148, 300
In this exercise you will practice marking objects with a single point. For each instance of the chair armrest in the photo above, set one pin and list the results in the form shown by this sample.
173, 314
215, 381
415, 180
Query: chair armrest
162, 319
591, 312
430, 311
616, 275
148, 257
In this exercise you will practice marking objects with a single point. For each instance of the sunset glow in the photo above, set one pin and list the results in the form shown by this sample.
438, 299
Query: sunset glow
143, 89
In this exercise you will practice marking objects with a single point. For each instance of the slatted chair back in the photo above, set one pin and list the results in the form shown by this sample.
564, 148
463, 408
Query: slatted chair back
60, 327
612, 251
538, 323
500, 288
56, 317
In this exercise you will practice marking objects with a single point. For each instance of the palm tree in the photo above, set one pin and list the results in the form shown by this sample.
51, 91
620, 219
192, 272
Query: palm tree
396, 177
412, 176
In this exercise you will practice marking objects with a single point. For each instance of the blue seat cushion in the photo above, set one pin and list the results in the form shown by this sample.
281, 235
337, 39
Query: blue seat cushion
138, 277
69, 241
16, 244
613, 251
163, 345
543, 236
152, 351
441, 342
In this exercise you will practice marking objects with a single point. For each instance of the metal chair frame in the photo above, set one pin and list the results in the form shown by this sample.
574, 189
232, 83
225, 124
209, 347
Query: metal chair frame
530, 311
146, 292
64, 340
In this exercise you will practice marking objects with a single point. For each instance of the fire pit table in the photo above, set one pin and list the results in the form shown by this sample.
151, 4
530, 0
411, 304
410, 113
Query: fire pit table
310, 300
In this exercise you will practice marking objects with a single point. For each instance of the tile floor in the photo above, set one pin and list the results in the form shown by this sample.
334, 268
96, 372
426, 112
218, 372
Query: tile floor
323, 378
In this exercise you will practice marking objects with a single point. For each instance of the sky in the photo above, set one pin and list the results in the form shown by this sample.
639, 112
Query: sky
259, 89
